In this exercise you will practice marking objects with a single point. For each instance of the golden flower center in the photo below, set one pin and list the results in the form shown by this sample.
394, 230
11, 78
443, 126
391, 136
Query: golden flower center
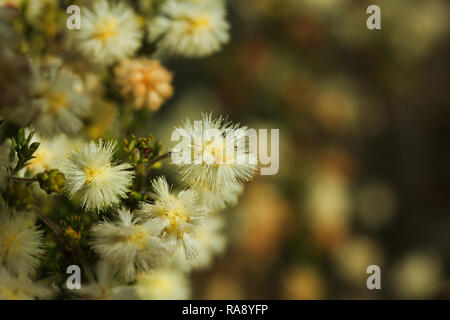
10, 241
94, 173
175, 218
105, 30
215, 154
199, 22
139, 237
56, 101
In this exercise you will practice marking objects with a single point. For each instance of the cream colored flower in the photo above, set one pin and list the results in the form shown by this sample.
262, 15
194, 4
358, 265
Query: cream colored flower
51, 153
94, 178
162, 284
190, 28
214, 153
211, 242
217, 200
109, 32
22, 288
103, 289
57, 103
130, 244
21, 244
179, 215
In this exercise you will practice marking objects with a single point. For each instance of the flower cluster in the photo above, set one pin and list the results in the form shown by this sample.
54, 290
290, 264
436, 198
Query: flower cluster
71, 193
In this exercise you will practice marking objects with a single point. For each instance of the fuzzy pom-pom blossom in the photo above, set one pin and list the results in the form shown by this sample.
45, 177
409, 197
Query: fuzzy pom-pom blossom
104, 287
179, 215
218, 200
214, 153
57, 104
93, 177
21, 243
22, 288
51, 152
130, 244
162, 284
190, 28
211, 242
109, 32
145, 82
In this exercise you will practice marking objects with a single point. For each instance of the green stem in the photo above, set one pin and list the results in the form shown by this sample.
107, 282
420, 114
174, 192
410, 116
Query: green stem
56, 229
157, 159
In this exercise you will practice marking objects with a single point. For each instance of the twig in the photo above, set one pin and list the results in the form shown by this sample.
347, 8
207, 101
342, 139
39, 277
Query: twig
23, 179
56, 229
157, 159
80, 256
161, 157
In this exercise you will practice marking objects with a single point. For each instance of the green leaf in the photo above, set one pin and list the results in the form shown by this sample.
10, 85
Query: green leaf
33, 147
21, 137
30, 136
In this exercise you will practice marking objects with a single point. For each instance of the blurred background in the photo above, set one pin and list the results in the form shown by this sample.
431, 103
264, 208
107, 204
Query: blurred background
364, 154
